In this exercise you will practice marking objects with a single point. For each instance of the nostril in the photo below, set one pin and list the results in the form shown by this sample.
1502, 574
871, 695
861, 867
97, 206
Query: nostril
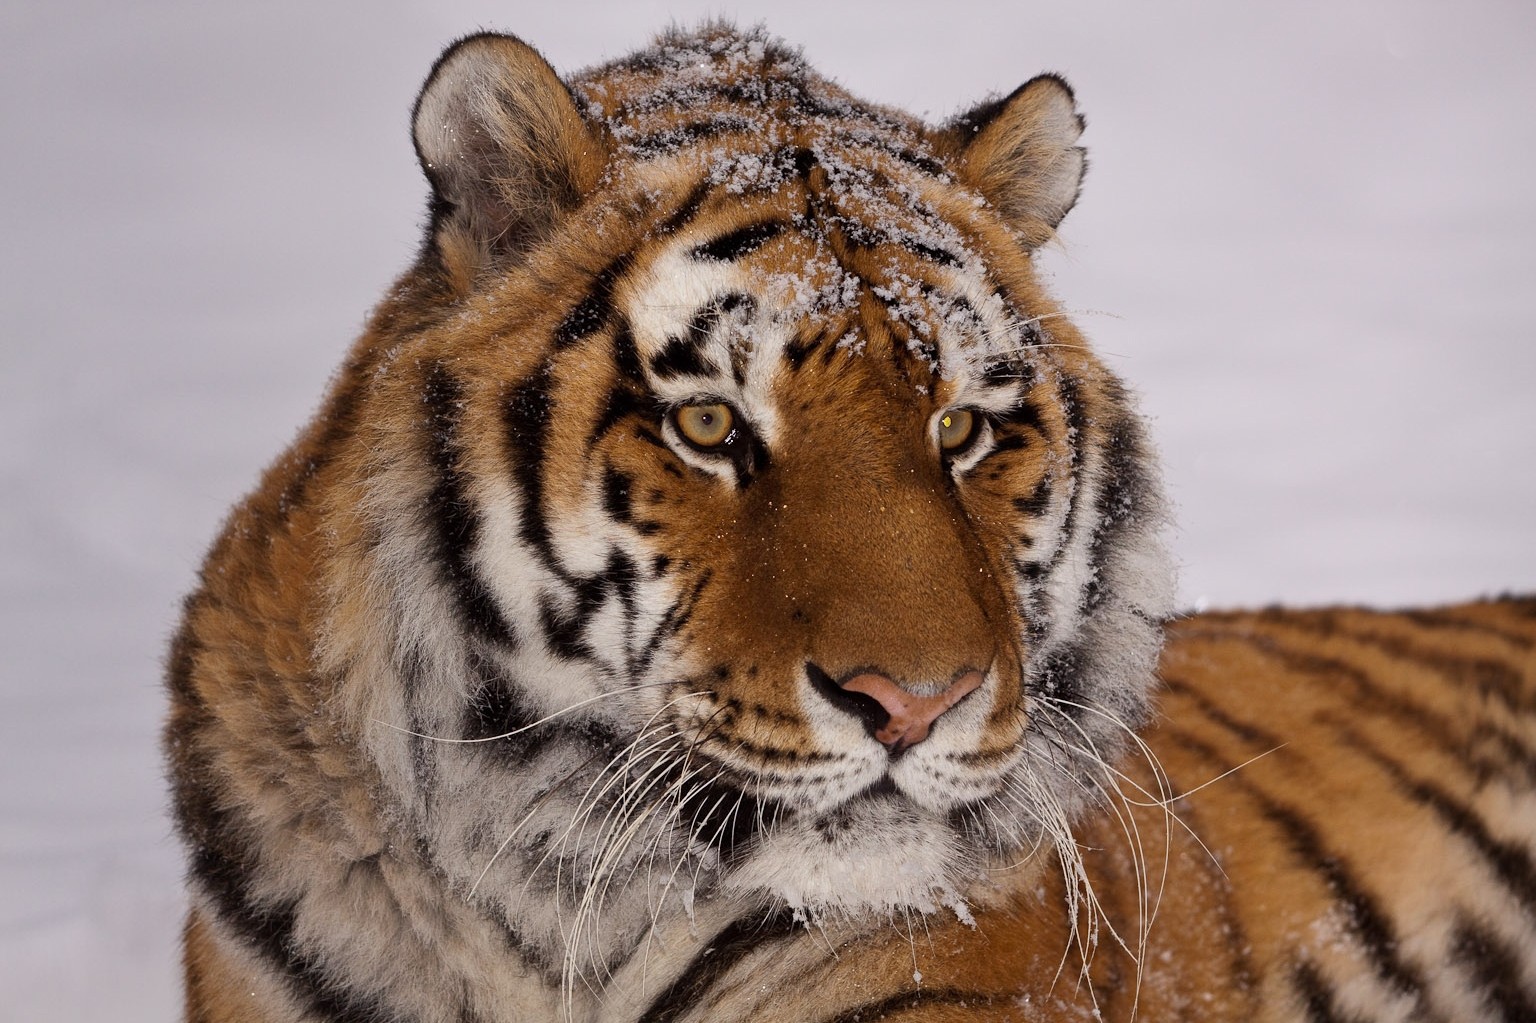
861, 705
911, 715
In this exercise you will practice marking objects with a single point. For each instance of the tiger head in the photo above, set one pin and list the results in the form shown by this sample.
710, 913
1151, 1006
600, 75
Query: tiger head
732, 513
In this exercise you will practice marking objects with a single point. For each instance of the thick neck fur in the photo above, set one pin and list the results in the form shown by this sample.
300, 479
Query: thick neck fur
461, 775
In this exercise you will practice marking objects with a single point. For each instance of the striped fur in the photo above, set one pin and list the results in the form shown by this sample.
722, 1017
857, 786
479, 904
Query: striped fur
502, 699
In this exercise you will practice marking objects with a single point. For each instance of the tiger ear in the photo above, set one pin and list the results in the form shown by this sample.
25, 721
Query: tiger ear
1021, 153
505, 148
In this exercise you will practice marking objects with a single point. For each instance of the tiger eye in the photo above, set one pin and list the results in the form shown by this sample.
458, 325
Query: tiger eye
955, 429
705, 426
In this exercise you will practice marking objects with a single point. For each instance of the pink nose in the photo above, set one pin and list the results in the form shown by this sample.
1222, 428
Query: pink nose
910, 715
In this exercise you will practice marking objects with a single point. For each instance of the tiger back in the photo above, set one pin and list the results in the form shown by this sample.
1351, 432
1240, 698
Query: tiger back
722, 584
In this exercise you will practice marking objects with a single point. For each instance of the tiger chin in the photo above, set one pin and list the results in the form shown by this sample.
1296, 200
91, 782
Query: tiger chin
721, 584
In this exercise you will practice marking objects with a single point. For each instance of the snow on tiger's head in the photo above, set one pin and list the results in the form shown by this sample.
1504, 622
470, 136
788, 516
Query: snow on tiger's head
744, 445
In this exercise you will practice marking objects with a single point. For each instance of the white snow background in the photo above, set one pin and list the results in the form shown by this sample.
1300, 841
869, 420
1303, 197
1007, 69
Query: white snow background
1306, 237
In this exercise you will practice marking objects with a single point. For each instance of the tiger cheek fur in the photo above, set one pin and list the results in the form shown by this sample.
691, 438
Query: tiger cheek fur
721, 584
574, 679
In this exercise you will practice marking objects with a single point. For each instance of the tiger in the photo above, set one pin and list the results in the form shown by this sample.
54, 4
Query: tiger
721, 583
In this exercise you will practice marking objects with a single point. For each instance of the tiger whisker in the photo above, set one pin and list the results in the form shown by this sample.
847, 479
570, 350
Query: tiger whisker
1114, 797
623, 690
538, 804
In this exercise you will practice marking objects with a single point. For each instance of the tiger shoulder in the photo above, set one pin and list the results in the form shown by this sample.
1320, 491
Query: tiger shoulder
723, 584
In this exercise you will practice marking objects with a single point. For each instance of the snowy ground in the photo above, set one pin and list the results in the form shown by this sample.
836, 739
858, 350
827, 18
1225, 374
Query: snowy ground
1308, 238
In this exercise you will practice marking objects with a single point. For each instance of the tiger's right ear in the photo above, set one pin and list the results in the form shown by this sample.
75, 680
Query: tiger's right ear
505, 148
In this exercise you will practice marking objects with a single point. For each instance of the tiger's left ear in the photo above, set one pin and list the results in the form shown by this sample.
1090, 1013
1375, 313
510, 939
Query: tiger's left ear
1021, 153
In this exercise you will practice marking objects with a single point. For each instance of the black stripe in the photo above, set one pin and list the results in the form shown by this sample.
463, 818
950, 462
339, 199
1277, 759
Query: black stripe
670, 140
526, 420
1511, 861
727, 819
1490, 677
627, 396
564, 625
453, 521
222, 866
620, 577
680, 357
687, 209
495, 708
752, 91
802, 160
1522, 605
735, 244
1122, 490
870, 1012
1008, 442
724, 952
672, 622
1245, 731
1496, 967
1370, 924
1449, 621
411, 666
1364, 690
1476, 750
595, 308
803, 345
926, 164
616, 494
1072, 410
622, 402
1060, 676
562, 629
683, 356
1024, 414
929, 252
626, 357
1038, 500
1317, 996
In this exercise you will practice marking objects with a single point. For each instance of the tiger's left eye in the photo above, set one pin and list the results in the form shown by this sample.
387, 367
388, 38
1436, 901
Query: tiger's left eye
705, 426
956, 428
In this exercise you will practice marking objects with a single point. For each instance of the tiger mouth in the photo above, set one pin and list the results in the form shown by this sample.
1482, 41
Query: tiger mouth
731, 821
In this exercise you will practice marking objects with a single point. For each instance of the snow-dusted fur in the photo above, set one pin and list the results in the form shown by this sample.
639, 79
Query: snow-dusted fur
500, 697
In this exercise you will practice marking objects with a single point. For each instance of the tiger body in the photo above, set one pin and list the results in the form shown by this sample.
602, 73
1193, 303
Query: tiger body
721, 584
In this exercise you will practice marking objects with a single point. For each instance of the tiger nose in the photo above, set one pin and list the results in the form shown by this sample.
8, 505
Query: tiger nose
894, 716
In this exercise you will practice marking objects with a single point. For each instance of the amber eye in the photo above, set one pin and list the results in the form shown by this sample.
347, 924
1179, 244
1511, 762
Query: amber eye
705, 426
956, 428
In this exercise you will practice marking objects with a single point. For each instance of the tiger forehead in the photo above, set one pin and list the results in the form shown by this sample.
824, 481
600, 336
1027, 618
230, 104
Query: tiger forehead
747, 118
814, 226
747, 301
692, 86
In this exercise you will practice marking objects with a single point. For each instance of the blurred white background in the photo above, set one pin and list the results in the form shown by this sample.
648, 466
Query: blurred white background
1307, 237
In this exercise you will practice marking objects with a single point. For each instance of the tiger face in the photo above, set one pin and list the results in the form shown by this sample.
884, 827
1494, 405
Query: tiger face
718, 514
766, 460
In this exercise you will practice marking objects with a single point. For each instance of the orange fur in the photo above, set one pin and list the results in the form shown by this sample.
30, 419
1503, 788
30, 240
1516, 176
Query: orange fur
384, 674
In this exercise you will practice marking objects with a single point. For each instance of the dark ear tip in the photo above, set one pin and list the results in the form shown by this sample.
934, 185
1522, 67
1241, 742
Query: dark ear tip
974, 120
1048, 79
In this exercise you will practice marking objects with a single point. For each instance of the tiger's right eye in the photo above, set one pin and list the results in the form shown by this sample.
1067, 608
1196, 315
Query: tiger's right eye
706, 427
